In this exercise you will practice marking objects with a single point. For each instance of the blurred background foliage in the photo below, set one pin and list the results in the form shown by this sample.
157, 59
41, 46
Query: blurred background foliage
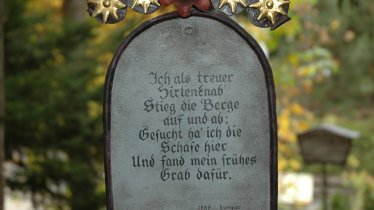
56, 59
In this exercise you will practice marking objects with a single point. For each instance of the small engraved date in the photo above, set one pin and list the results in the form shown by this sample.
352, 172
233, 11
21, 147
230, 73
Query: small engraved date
221, 207
204, 207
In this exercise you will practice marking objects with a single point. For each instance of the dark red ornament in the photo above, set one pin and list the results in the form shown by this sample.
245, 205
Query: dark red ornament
185, 6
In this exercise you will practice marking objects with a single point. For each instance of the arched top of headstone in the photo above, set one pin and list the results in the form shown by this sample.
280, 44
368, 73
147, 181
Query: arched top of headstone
195, 13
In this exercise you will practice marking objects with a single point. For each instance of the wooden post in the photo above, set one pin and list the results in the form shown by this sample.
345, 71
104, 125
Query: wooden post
325, 187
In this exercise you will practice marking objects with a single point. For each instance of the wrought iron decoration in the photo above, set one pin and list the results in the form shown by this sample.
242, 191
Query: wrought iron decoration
262, 13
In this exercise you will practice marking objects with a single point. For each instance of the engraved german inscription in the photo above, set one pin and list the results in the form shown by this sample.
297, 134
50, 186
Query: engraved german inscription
190, 121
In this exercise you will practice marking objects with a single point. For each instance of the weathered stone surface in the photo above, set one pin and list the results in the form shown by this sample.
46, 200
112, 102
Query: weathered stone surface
193, 82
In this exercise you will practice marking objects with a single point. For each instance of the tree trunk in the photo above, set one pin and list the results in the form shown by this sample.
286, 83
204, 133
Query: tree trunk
75, 10
2, 103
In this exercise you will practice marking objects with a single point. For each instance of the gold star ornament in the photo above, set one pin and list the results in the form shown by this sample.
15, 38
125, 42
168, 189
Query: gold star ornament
106, 8
145, 4
270, 9
233, 4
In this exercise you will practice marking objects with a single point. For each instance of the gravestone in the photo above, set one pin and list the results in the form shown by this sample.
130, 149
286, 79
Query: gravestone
190, 118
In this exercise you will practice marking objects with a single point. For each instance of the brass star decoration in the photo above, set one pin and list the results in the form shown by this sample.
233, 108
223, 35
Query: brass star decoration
145, 4
106, 8
270, 8
232, 3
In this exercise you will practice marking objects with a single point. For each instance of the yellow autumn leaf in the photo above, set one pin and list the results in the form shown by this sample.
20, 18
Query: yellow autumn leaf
297, 109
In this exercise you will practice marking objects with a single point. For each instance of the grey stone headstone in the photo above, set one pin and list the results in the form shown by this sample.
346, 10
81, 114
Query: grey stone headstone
190, 118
